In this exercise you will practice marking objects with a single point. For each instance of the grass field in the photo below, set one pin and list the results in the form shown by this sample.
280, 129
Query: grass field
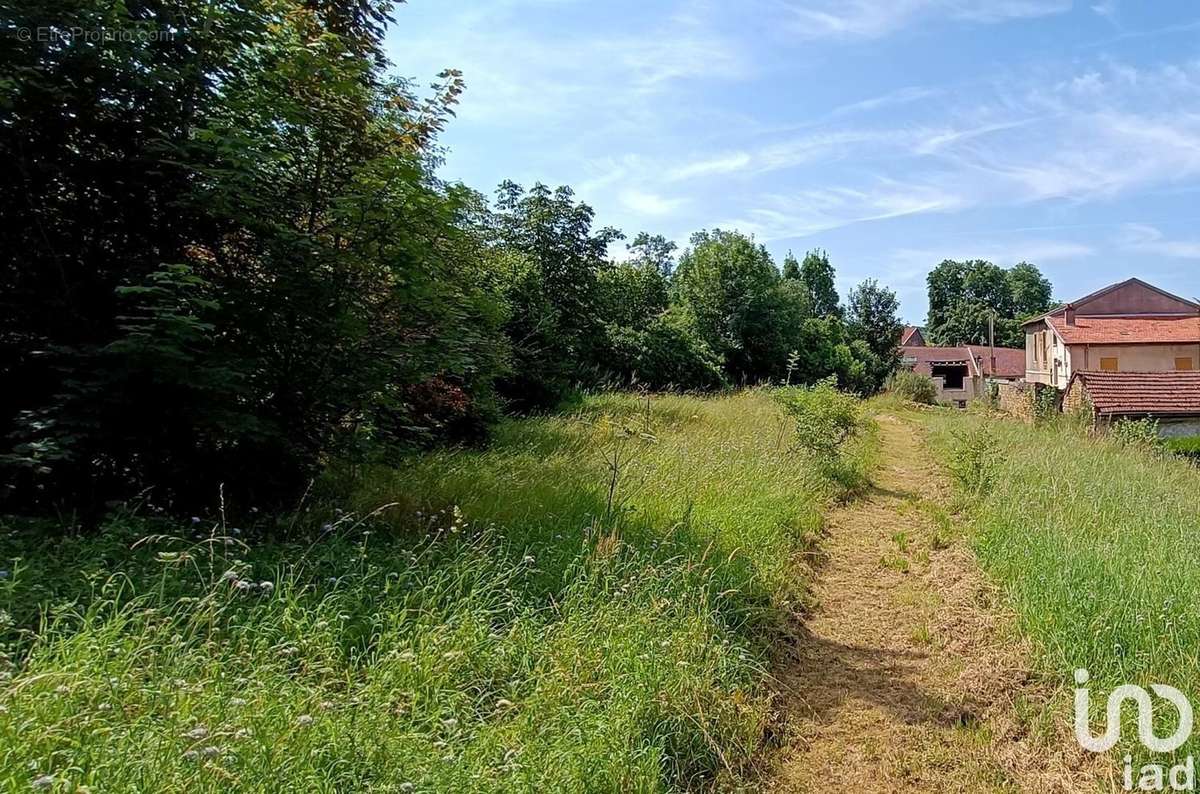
586, 605
1096, 545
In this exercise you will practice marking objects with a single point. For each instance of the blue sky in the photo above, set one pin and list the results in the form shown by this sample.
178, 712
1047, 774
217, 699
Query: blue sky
893, 133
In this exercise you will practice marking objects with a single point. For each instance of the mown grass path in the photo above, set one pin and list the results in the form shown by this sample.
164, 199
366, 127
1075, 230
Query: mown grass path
906, 676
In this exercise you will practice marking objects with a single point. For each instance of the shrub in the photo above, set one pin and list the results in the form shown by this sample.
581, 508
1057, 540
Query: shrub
974, 459
913, 386
1142, 433
824, 417
1186, 447
1043, 403
667, 354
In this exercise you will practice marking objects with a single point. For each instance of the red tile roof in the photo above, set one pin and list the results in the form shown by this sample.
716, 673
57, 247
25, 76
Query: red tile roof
1010, 361
1151, 393
910, 331
1127, 330
922, 358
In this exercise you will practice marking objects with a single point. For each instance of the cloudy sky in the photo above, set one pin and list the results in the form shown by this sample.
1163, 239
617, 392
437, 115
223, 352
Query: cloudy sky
893, 133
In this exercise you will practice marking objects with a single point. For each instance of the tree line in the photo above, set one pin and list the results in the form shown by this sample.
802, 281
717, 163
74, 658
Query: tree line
230, 259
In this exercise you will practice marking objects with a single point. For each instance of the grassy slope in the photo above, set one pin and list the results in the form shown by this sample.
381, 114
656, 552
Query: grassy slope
1097, 546
503, 626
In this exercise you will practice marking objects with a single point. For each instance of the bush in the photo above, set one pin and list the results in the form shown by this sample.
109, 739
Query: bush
1043, 403
1142, 433
913, 386
824, 417
668, 354
974, 459
1188, 447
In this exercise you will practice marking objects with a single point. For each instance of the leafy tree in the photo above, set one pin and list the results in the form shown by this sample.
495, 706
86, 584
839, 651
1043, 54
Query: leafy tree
555, 300
229, 256
964, 295
726, 284
791, 268
653, 250
874, 319
1031, 291
817, 275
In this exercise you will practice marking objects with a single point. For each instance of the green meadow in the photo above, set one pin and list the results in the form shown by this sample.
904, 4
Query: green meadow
586, 604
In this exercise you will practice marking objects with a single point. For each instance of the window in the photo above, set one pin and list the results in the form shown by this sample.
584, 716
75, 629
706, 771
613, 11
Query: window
1108, 365
1183, 364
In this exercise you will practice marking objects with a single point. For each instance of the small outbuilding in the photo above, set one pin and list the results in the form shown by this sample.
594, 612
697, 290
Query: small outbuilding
1173, 398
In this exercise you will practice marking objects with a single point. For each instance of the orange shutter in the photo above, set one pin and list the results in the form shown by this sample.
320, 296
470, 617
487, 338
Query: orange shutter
1108, 365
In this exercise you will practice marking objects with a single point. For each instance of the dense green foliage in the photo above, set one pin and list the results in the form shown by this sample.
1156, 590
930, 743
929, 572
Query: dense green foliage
913, 386
230, 260
1186, 447
230, 257
1092, 541
587, 605
964, 295
825, 419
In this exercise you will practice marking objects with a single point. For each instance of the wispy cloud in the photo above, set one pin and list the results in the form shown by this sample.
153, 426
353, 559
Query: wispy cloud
1149, 239
650, 203
870, 19
810, 211
718, 164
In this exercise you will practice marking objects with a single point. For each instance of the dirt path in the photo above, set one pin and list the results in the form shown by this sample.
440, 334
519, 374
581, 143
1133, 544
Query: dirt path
906, 676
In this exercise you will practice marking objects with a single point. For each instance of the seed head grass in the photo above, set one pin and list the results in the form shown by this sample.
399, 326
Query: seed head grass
1096, 544
587, 604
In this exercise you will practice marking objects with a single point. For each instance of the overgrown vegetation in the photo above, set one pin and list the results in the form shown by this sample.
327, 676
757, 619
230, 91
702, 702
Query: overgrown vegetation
585, 605
913, 386
1091, 538
231, 260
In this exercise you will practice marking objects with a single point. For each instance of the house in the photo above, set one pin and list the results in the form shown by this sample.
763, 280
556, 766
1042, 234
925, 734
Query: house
1127, 327
1171, 398
963, 373
912, 337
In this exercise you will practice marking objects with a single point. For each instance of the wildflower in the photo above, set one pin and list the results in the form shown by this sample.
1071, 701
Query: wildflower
407, 788
266, 587
191, 755
237, 701
62, 689
242, 584
105, 707
44, 782
326, 705
241, 733
528, 559
195, 519
504, 703
211, 751
304, 720
236, 531
450, 723
197, 733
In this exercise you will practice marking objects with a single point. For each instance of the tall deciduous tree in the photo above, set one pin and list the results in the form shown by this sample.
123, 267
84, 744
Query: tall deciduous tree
963, 296
556, 313
874, 319
818, 277
228, 255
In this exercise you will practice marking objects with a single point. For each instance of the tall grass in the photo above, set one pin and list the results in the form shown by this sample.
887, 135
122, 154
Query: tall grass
1096, 544
585, 605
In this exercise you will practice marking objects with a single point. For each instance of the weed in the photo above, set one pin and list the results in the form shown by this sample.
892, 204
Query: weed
475, 635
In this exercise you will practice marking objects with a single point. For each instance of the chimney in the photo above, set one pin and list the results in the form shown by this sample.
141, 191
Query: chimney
1070, 312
